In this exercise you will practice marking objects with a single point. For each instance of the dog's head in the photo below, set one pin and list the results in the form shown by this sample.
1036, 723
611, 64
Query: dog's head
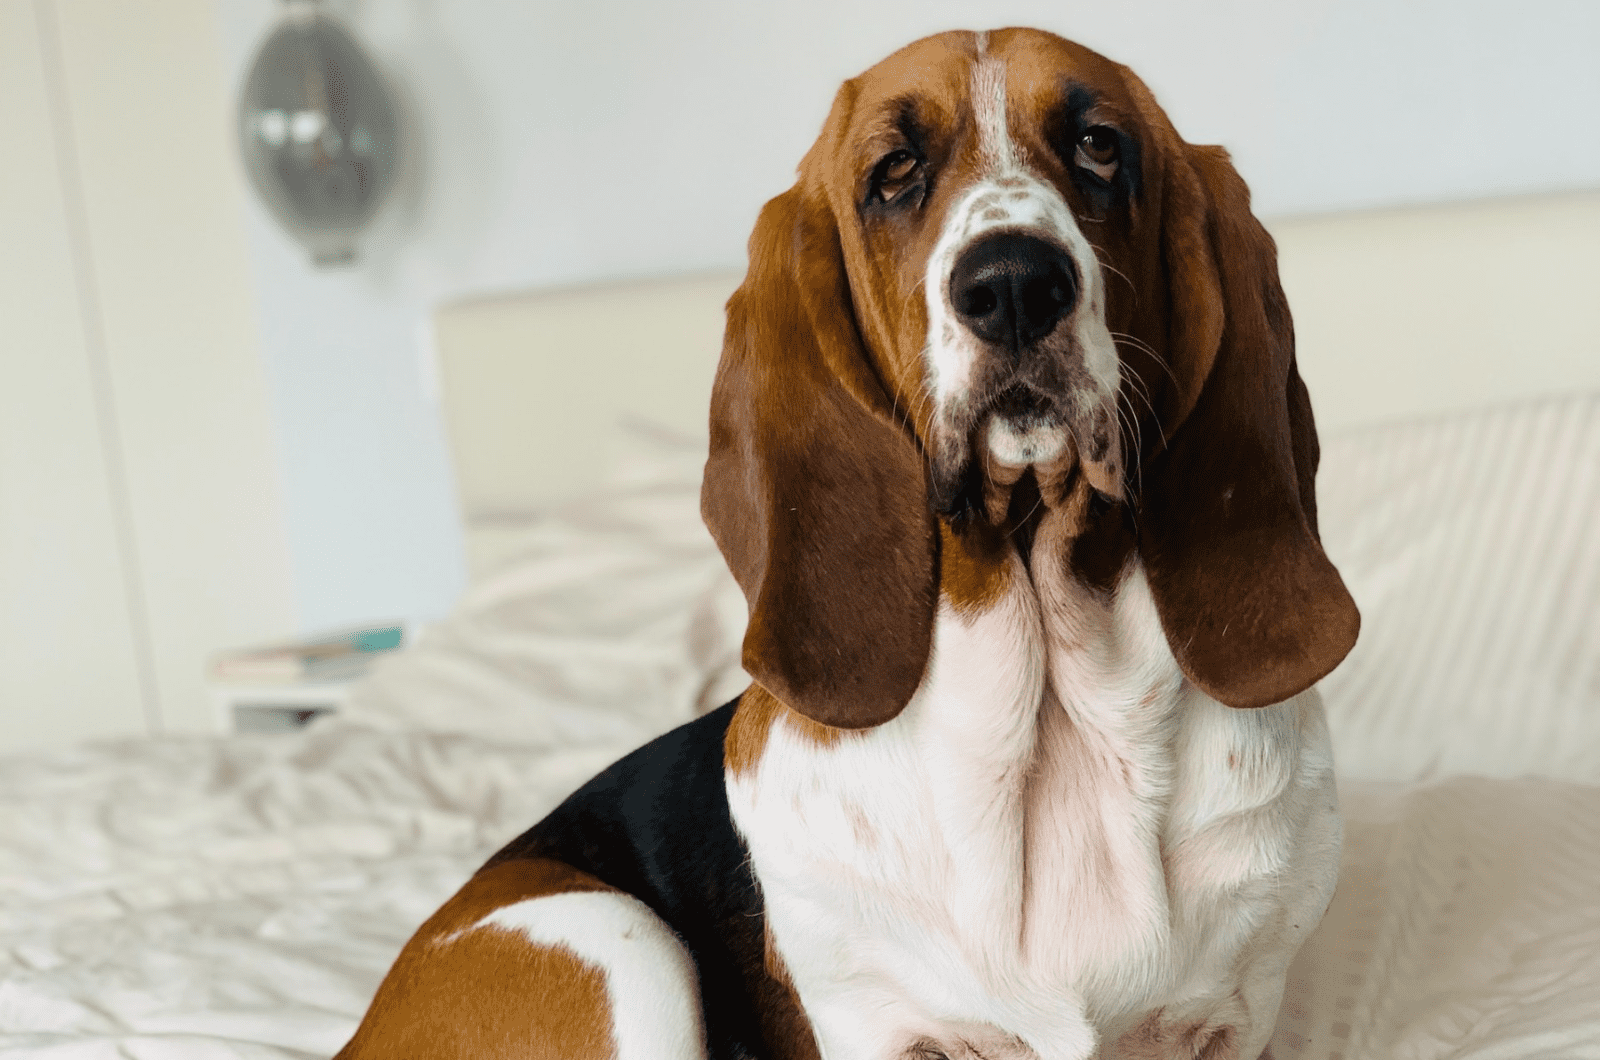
1003, 282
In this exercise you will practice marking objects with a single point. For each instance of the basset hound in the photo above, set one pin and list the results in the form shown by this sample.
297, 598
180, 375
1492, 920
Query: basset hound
1011, 458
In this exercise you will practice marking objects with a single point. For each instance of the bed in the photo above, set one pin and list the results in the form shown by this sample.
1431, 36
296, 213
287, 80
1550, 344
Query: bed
241, 897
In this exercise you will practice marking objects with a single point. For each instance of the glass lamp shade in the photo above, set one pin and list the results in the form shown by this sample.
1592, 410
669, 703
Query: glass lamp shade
318, 133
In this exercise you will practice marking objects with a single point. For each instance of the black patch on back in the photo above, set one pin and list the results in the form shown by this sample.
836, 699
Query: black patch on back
656, 825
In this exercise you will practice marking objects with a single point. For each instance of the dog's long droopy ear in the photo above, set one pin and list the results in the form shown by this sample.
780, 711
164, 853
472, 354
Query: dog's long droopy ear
813, 490
1252, 608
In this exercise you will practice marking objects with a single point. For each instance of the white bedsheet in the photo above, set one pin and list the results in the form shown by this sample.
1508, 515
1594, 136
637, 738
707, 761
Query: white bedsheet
198, 899
218, 898
207, 898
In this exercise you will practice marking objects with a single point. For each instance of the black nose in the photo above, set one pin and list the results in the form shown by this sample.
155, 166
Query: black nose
1010, 289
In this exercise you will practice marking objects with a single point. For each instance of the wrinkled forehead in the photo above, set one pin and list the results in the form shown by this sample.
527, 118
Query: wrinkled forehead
941, 83
928, 80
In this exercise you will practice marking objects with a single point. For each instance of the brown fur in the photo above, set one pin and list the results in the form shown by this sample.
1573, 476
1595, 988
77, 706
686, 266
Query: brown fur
1253, 610
973, 572
490, 994
813, 489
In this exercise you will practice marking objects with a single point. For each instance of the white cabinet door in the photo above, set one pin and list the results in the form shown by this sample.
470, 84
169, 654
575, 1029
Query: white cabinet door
140, 525
69, 620
162, 198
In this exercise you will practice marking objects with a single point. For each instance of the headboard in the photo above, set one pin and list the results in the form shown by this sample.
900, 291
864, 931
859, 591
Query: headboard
534, 385
1397, 313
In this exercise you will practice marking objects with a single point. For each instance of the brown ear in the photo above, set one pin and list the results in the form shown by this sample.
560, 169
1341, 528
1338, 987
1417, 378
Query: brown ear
813, 491
1252, 608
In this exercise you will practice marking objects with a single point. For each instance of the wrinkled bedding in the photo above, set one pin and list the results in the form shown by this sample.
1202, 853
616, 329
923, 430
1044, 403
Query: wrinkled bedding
199, 898
208, 898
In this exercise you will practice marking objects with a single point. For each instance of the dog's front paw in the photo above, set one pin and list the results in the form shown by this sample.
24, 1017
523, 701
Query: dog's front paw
974, 1043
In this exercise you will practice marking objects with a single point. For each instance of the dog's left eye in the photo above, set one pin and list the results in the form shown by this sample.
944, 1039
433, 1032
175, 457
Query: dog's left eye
895, 173
1098, 151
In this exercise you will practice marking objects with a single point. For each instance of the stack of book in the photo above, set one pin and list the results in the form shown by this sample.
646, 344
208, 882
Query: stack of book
341, 656
280, 687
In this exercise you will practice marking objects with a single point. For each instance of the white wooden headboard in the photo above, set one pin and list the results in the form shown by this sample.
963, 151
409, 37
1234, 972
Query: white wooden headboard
1397, 313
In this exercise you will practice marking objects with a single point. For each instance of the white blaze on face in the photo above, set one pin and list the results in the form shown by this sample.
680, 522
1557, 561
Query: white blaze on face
1007, 195
989, 108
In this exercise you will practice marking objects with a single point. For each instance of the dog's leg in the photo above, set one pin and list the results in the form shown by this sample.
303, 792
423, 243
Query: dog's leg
534, 960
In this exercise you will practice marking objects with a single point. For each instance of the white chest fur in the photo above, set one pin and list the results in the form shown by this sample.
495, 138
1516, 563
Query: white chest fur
1058, 847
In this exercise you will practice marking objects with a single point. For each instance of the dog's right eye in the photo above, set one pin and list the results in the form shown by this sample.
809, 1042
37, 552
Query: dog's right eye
896, 174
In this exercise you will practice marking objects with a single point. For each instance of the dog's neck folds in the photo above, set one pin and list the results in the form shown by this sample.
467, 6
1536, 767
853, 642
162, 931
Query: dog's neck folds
1056, 838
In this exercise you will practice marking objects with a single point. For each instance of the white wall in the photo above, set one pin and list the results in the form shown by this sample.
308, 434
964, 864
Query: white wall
571, 141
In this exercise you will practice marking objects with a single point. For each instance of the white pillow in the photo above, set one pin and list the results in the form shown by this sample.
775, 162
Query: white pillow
609, 618
1472, 545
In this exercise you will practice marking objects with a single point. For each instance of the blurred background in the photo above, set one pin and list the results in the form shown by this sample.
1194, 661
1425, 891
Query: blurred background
206, 441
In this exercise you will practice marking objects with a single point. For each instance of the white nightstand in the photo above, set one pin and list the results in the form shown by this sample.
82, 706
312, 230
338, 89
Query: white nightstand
244, 708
